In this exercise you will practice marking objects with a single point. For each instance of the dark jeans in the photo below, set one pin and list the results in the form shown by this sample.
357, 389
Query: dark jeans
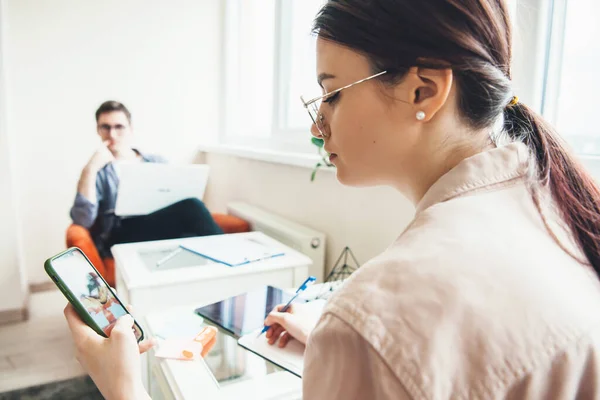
186, 218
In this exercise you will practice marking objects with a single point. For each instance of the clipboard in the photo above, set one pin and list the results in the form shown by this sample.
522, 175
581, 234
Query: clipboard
232, 250
291, 357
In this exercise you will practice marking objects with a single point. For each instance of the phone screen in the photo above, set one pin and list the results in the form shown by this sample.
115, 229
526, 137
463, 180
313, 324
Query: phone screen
92, 293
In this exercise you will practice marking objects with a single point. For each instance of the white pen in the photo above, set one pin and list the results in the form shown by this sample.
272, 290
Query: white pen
168, 257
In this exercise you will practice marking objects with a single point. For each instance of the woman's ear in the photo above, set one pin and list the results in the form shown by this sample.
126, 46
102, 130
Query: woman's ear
429, 89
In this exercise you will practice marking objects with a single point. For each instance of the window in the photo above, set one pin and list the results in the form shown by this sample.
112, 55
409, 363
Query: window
298, 63
270, 60
249, 51
570, 101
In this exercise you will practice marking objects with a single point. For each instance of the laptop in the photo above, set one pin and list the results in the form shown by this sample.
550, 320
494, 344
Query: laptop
147, 187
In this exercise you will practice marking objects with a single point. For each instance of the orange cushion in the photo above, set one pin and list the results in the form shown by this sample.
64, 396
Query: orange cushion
78, 236
231, 224
109, 275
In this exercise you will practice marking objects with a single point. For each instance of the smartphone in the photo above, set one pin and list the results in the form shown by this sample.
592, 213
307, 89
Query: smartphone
93, 299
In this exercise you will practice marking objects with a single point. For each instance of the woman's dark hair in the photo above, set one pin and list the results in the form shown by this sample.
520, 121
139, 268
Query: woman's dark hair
474, 39
110, 106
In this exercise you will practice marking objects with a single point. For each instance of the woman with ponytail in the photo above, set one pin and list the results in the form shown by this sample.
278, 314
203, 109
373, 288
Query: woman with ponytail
492, 290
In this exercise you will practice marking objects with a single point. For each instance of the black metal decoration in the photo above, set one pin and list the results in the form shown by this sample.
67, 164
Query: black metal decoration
343, 271
339, 273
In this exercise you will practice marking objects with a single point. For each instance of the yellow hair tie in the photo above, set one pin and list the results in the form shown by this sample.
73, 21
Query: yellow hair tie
514, 101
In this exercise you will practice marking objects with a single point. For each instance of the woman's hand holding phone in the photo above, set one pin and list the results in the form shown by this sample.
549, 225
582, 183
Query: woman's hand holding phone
114, 362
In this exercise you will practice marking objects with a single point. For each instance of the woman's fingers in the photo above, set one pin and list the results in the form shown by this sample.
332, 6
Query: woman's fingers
123, 326
76, 325
277, 331
271, 330
284, 339
277, 318
147, 345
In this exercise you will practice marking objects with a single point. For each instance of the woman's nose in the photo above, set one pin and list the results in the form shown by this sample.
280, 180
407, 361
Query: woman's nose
315, 131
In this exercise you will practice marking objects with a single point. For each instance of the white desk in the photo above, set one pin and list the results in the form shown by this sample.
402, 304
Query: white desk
186, 380
150, 289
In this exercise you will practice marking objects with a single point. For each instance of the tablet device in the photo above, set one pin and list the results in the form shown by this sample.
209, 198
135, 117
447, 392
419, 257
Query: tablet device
245, 313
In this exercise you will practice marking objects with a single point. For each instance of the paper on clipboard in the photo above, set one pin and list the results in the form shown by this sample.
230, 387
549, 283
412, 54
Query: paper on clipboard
232, 250
290, 358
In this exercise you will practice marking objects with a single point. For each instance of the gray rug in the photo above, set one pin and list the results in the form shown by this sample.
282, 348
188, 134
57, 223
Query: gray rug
77, 388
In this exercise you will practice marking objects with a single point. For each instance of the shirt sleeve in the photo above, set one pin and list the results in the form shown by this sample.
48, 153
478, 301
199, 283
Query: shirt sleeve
84, 212
158, 159
340, 364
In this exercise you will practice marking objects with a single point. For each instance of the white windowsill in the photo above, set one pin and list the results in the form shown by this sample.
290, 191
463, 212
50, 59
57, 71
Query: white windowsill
592, 163
267, 155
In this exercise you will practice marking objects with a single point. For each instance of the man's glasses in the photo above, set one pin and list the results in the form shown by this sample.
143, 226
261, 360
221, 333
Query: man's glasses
314, 105
105, 128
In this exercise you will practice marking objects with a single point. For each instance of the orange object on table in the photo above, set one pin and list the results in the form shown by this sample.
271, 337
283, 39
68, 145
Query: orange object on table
207, 335
188, 349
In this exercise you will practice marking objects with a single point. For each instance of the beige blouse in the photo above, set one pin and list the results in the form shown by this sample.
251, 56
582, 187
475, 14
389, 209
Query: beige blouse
474, 300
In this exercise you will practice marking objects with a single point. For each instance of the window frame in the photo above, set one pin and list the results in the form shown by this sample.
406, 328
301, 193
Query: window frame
554, 51
278, 136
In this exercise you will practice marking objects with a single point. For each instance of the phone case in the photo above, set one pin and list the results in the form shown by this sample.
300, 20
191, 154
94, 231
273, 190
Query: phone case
67, 293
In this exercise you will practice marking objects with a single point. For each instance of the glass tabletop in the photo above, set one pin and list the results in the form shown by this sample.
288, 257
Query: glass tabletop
171, 258
230, 363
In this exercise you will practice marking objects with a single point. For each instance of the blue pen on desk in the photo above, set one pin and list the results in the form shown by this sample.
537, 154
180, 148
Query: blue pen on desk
309, 281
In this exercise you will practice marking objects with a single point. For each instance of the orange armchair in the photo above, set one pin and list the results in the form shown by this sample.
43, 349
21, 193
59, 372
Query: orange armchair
78, 236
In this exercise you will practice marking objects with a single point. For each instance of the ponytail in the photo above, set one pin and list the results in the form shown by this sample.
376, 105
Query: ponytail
574, 191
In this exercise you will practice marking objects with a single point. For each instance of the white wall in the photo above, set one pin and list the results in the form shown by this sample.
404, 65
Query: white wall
65, 57
163, 60
13, 291
367, 220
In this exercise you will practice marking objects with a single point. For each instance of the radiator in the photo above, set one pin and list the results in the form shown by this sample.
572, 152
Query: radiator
299, 237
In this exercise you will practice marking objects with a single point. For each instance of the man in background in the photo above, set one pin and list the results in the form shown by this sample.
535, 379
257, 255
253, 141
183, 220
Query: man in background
94, 206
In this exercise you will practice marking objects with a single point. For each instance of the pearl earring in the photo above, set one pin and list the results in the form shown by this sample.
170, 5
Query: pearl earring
420, 115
